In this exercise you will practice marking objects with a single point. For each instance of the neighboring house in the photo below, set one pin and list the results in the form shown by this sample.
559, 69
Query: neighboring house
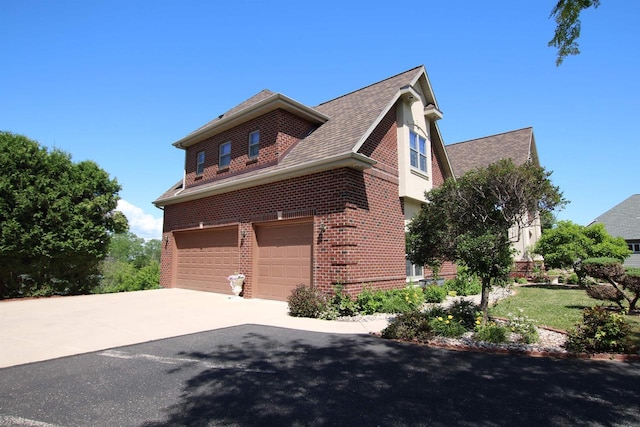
623, 220
519, 146
289, 194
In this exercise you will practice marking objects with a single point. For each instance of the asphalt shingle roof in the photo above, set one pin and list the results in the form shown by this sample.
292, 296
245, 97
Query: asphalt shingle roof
623, 220
517, 145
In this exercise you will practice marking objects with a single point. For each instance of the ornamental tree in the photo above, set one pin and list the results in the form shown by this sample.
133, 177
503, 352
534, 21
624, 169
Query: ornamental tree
567, 243
468, 220
56, 217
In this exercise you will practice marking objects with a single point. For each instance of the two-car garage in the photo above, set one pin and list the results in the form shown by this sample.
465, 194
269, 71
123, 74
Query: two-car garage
281, 258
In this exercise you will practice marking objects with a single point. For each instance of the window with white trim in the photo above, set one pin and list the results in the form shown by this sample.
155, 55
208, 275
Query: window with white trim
418, 151
414, 271
200, 163
225, 155
254, 144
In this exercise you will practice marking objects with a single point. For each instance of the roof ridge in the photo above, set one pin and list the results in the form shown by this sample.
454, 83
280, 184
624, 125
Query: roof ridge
368, 86
491, 136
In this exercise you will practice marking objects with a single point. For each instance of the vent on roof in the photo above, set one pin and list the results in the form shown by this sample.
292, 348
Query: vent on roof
221, 116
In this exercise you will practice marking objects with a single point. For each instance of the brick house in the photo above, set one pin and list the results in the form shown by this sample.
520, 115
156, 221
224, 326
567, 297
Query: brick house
289, 194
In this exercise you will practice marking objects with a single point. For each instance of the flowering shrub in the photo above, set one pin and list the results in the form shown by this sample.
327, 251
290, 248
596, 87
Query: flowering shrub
491, 332
447, 326
524, 327
600, 331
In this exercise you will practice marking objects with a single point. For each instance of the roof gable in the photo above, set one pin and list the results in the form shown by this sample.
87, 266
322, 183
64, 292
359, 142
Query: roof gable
623, 220
518, 145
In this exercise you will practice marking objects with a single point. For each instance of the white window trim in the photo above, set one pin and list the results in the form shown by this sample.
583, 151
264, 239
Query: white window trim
200, 164
254, 144
419, 154
220, 155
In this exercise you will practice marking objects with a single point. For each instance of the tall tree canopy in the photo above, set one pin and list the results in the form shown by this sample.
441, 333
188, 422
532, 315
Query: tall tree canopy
468, 220
56, 217
567, 16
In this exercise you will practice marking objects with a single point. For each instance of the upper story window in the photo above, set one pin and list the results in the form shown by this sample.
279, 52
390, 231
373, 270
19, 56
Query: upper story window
418, 151
200, 163
225, 155
254, 144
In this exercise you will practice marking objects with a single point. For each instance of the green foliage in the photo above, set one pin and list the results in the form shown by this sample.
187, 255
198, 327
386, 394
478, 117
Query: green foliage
468, 219
491, 332
306, 301
402, 300
464, 284
523, 326
434, 293
568, 242
369, 302
567, 16
466, 311
342, 303
600, 331
56, 217
447, 326
624, 283
409, 327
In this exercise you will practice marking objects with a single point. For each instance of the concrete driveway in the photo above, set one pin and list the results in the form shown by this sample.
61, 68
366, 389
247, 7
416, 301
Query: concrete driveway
47, 328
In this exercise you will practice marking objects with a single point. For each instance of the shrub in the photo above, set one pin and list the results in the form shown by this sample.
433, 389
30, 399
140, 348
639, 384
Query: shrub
434, 293
491, 332
341, 303
305, 301
369, 302
409, 326
402, 300
524, 327
605, 293
603, 268
447, 326
600, 331
465, 311
464, 284
572, 279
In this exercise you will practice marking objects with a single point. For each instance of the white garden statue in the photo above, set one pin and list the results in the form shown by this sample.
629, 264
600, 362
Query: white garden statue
236, 281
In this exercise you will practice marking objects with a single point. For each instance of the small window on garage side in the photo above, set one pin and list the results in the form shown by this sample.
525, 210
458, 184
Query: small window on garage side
200, 163
254, 144
225, 155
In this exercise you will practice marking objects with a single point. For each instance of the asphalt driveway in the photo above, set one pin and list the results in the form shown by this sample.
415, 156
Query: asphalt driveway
261, 375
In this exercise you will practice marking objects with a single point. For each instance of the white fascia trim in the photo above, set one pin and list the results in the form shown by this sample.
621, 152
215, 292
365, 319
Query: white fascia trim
277, 100
349, 160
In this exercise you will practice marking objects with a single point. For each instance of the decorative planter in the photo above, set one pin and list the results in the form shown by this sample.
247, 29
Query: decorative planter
236, 286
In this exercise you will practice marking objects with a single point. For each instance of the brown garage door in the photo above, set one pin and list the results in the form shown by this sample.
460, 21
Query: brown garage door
206, 258
284, 259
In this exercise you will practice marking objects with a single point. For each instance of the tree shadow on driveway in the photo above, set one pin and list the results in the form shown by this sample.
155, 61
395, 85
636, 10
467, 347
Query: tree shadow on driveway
275, 376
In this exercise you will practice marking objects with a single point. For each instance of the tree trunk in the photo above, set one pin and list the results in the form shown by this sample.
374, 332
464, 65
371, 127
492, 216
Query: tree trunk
484, 300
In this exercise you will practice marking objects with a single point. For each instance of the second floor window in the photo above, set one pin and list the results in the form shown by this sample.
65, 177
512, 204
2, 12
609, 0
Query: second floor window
254, 144
225, 155
418, 150
200, 163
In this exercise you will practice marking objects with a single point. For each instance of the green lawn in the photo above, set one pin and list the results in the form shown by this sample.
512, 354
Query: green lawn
553, 306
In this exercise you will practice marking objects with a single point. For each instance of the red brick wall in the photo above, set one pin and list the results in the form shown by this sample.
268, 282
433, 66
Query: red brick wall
358, 218
279, 131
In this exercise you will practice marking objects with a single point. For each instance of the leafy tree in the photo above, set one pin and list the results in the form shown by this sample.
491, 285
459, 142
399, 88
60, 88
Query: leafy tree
468, 220
567, 243
56, 217
132, 264
567, 16
625, 281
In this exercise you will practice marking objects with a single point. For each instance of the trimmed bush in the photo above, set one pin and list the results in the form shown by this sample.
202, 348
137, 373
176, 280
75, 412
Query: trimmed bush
413, 326
434, 293
306, 301
603, 268
491, 332
464, 284
600, 331
605, 293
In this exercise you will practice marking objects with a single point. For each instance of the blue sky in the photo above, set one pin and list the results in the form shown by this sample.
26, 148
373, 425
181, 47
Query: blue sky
118, 81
